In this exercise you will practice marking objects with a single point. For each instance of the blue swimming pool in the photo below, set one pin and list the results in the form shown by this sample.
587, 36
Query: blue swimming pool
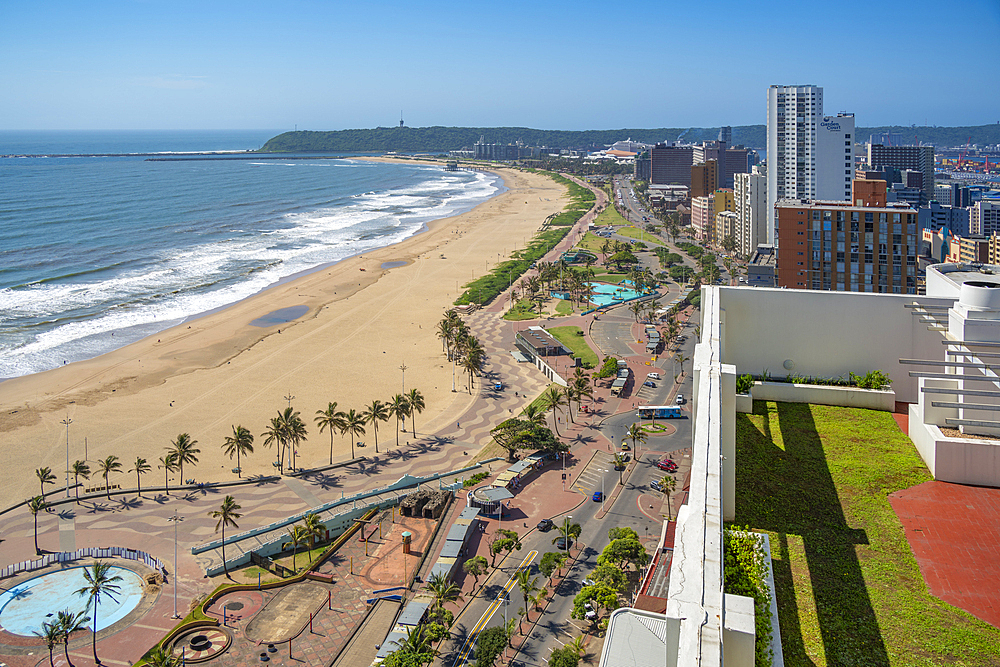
25, 607
605, 294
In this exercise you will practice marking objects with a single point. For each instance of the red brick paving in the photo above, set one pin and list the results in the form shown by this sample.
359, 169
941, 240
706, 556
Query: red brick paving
954, 532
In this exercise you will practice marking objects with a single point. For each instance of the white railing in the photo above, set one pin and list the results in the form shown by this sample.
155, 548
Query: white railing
90, 552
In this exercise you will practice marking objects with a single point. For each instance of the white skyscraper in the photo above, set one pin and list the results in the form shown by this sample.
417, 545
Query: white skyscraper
750, 195
809, 155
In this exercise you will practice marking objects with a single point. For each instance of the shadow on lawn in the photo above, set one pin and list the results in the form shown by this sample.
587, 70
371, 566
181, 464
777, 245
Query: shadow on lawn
791, 492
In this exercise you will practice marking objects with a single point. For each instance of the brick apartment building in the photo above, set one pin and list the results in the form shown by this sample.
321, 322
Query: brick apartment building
864, 245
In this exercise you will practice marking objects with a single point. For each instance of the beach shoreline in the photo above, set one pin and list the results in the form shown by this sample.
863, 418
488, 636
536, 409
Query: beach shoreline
216, 370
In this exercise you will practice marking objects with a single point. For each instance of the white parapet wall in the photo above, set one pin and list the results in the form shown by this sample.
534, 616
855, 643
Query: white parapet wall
848, 397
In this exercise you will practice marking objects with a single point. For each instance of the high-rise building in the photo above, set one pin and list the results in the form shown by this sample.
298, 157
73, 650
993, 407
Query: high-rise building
703, 217
704, 178
906, 158
935, 217
835, 245
809, 155
670, 165
984, 217
750, 195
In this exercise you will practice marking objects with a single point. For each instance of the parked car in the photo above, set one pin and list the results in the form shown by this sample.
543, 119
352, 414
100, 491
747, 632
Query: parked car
653, 376
649, 383
626, 447
655, 485
561, 543
598, 496
667, 465
590, 613
545, 525
588, 582
680, 399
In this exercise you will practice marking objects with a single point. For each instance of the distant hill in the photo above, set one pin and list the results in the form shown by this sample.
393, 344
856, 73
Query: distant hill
430, 139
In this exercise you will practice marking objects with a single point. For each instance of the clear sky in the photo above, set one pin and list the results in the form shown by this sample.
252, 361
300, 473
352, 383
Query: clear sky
328, 65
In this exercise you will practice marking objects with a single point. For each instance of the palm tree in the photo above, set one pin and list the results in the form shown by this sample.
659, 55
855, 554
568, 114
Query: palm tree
400, 409
444, 590
354, 424
276, 434
569, 394
79, 469
567, 532
45, 476
314, 528
417, 405
680, 359
141, 468
227, 514
526, 583
552, 399
577, 645
533, 413
70, 622
332, 419
295, 431
99, 582
36, 505
636, 434
668, 484
184, 451
240, 442
297, 537
169, 464
106, 467
375, 413
161, 657
52, 634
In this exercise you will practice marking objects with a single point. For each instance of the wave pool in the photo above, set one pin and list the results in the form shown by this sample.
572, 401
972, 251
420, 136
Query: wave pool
25, 607
604, 294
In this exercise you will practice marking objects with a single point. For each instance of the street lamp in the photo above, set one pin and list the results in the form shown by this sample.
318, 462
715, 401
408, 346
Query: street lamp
67, 422
175, 520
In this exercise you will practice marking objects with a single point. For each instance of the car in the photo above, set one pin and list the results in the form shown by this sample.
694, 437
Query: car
649, 383
626, 447
588, 582
598, 496
653, 376
667, 465
561, 543
545, 525
498, 386
680, 399
624, 457
591, 614
655, 485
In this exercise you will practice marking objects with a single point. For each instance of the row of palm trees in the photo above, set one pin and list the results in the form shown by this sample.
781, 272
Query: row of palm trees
555, 399
461, 347
286, 430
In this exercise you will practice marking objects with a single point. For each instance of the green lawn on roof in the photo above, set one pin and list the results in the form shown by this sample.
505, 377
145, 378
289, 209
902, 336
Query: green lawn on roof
816, 479
571, 338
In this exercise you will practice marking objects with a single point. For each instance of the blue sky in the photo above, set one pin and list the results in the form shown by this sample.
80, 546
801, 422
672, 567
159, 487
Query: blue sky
152, 64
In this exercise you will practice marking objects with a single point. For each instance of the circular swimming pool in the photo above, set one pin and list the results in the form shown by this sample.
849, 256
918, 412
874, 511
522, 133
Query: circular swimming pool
25, 607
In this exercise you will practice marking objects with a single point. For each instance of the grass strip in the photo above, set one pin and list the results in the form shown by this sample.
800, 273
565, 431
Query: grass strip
572, 337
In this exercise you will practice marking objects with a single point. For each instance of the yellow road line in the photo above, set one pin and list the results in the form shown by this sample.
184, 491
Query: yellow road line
488, 614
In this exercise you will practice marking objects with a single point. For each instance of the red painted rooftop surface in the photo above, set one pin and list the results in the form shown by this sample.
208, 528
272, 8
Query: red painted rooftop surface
954, 532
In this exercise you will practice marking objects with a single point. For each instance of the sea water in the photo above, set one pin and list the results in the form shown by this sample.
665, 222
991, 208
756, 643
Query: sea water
97, 252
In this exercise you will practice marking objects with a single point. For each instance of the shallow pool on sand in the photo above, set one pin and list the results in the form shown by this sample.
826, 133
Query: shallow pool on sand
25, 607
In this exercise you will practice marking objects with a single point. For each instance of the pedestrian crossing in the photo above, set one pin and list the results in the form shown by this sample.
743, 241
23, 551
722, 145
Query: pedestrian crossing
589, 479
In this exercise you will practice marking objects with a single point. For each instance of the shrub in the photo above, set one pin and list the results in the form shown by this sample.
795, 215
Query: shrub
872, 380
744, 384
745, 573
475, 479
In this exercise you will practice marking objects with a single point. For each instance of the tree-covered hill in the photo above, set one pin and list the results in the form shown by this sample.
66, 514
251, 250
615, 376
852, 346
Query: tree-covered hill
429, 139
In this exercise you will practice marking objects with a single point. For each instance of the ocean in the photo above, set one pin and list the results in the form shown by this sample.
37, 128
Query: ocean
98, 252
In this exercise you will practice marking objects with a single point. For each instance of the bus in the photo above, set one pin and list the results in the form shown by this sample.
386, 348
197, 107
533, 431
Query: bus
659, 412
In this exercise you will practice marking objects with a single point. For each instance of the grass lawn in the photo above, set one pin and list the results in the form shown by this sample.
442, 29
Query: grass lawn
645, 237
521, 311
572, 338
816, 479
609, 216
564, 307
609, 277
591, 242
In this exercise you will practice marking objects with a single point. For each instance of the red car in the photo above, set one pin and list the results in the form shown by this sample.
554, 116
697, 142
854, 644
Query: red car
667, 464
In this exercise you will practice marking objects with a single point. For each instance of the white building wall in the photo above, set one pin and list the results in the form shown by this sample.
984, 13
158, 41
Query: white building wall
826, 334
834, 157
750, 195
784, 121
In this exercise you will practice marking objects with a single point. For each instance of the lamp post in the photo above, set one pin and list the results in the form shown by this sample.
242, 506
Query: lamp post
175, 520
67, 422
289, 398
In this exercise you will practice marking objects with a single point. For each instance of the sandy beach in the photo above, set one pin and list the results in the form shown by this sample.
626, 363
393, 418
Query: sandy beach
204, 376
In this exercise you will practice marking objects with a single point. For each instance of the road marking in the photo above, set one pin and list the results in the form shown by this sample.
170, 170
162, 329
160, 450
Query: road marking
488, 614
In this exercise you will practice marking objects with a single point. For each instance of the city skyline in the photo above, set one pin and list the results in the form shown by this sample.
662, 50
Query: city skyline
329, 66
